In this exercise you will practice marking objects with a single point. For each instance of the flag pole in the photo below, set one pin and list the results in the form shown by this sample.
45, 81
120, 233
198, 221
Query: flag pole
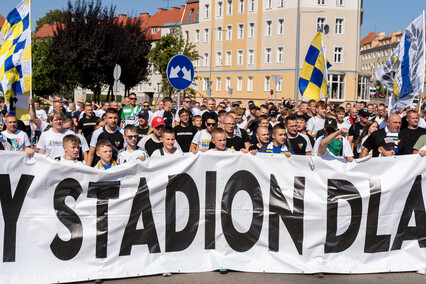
423, 86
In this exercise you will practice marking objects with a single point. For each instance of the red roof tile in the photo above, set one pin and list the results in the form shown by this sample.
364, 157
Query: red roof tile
2, 20
46, 30
369, 38
191, 4
160, 18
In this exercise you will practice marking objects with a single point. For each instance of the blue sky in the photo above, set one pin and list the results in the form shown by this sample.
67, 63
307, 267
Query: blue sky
379, 15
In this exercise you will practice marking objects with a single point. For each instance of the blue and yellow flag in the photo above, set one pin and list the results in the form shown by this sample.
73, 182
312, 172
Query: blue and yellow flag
313, 79
15, 60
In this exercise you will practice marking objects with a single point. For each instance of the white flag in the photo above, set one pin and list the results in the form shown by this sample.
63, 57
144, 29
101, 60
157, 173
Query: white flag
403, 73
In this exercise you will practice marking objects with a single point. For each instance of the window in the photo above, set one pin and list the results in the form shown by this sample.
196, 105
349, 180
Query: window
206, 11
267, 83
340, 3
280, 27
251, 30
195, 84
172, 30
338, 55
228, 59
219, 9
280, 3
241, 6
206, 59
337, 86
154, 31
338, 29
252, 5
191, 12
219, 34
229, 32
187, 35
205, 83
239, 84
279, 84
249, 84
280, 54
229, 8
206, 35
228, 83
321, 2
218, 84
196, 16
320, 24
240, 57
268, 52
250, 57
268, 4
268, 27
240, 31
218, 58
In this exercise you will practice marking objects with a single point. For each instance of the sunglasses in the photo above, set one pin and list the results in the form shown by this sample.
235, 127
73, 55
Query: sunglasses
188, 101
132, 99
145, 106
211, 124
132, 137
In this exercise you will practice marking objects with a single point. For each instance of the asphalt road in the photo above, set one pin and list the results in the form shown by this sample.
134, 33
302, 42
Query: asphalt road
270, 278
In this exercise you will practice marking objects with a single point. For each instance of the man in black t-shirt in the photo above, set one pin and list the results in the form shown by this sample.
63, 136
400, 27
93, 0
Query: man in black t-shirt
409, 136
185, 131
167, 112
86, 125
233, 141
143, 127
375, 139
297, 143
356, 129
209, 112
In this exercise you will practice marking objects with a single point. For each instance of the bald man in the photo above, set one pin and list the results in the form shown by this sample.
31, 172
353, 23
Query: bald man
374, 140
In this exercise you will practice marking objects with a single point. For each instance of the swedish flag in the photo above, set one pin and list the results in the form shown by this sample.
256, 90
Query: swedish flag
15, 59
313, 79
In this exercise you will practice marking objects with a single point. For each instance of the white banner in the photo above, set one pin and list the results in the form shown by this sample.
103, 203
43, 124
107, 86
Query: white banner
193, 213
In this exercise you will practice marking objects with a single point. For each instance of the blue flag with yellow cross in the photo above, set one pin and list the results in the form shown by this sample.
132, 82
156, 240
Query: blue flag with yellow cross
15, 60
313, 78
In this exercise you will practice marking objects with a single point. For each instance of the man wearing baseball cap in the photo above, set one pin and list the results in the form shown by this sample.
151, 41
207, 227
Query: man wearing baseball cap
356, 129
143, 127
387, 147
152, 142
333, 145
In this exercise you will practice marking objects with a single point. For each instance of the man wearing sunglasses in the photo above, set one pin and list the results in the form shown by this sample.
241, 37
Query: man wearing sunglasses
129, 114
185, 131
187, 104
202, 138
132, 152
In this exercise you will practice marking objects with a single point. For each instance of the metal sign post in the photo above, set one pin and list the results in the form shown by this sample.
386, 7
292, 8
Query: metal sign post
116, 74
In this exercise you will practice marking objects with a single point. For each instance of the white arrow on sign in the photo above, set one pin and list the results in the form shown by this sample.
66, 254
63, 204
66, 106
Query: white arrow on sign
186, 74
174, 72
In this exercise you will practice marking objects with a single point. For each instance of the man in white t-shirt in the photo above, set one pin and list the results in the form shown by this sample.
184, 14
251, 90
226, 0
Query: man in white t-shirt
50, 142
333, 145
18, 138
131, 152
316, 123
35, 131
202, 139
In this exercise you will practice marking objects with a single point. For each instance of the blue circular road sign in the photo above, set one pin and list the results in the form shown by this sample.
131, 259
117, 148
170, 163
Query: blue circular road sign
180, 72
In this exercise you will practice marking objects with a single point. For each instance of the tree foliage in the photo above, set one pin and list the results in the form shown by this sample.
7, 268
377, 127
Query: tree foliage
50, 18
48, 79
92, 41
160, 55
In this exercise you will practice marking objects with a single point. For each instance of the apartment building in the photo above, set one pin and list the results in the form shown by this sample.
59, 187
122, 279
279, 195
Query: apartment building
242, 43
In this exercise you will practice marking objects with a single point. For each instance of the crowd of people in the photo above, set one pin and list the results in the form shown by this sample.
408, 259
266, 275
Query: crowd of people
110, 134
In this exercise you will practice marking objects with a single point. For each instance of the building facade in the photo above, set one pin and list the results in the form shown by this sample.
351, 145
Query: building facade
242, 43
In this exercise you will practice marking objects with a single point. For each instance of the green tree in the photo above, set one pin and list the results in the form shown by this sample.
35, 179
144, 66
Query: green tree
48, 78
51, 18
160, 55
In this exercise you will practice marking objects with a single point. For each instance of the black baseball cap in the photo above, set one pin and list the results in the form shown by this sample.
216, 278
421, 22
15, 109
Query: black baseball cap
362, 112
330, 123
143, 113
